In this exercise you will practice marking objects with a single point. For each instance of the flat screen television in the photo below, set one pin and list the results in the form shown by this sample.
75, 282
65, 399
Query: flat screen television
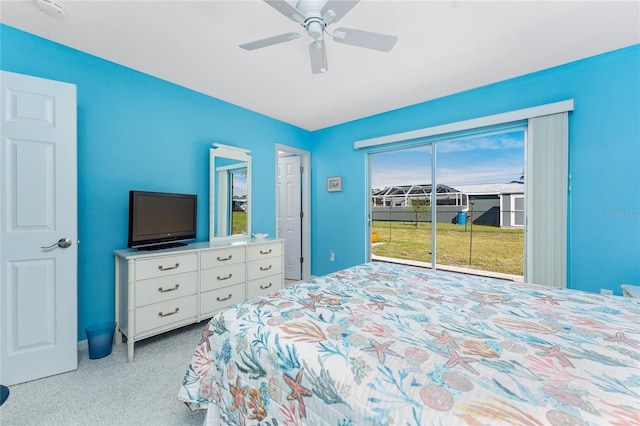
160, 220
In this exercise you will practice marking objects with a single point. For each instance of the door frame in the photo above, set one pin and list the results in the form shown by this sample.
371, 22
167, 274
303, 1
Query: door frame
512, 201
305, 162
434, 143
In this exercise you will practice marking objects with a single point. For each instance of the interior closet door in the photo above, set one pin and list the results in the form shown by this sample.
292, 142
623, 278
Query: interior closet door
289, 218
38, 228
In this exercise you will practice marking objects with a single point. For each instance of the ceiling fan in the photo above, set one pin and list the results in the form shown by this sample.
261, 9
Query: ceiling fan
315, 16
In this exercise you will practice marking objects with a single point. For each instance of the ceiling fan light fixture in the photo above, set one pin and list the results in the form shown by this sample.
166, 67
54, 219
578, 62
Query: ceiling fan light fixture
51, 8
315, 28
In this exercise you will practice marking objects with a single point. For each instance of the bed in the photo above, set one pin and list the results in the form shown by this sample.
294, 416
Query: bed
384, 344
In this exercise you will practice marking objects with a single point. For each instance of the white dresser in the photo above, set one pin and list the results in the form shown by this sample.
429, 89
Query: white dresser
158, 291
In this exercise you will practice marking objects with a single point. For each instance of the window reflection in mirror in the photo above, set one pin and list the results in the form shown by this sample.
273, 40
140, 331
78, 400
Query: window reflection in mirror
238, 193
230, 192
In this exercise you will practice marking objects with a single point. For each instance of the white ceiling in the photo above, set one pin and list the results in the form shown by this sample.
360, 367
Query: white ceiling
443, 47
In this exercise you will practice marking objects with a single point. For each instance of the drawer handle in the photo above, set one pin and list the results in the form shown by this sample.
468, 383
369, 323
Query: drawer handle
164, 290
265, 269
265, 252
264, 287
221, 259
224, 298
224, 278
162, 268
160, 314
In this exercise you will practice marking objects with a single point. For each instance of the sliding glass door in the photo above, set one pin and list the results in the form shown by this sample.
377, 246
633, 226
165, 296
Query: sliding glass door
401, 204
477, 187
475, 229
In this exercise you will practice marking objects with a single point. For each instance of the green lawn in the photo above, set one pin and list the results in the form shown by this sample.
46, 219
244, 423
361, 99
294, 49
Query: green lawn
494, 249
239, 222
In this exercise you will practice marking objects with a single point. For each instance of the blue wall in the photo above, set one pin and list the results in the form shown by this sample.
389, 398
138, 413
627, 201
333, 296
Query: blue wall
604, 155
139, 132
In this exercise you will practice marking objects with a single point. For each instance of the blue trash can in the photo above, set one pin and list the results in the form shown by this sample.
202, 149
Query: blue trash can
462, 218
100, 338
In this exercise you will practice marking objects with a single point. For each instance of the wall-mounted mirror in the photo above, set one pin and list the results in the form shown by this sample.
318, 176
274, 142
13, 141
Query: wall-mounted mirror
230, 192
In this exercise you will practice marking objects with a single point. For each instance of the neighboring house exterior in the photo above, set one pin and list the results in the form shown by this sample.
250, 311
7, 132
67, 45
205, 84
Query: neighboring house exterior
493, 204
496, 204
411, 203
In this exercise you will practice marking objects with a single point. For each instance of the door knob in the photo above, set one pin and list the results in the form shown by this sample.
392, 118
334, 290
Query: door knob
62, 243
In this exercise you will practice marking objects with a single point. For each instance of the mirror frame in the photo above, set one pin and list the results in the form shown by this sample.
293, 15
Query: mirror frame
232, 153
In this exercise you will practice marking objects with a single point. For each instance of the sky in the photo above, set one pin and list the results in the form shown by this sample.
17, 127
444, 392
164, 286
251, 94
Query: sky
497, 158
239, 184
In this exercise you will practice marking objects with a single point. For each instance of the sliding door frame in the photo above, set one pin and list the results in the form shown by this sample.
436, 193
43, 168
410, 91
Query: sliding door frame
467, 128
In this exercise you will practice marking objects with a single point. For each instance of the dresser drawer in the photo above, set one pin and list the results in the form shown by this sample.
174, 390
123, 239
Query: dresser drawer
220, 257
164, 288
165, 313
167, 265
262, 251
223, 276
264, 285
212, 301
264, 267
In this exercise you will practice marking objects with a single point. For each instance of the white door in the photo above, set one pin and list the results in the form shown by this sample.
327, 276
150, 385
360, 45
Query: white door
38, 194
289, 210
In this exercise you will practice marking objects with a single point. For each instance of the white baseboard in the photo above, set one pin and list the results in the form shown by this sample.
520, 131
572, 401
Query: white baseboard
83, 345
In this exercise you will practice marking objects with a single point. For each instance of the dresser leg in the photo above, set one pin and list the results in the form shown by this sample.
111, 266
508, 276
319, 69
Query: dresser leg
130, 350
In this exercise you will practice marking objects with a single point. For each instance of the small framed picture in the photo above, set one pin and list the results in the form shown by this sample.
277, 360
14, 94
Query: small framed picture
334, 184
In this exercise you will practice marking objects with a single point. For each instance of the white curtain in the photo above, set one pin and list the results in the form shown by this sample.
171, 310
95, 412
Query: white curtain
546, 188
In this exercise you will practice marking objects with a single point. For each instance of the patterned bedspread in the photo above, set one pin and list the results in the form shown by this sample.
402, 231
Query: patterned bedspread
382, 344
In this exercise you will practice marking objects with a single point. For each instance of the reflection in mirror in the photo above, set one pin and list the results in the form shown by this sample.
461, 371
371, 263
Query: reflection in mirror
230, 197
238, 186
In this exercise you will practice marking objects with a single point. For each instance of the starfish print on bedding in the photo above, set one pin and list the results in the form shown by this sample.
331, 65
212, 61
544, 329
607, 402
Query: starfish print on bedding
481, 299
555, 352
620, 337
297, 391
238, 393
206, 333
315, 297
444, 338
381, 349
205, 337
311, 305
263, 303
455, 359
380, 304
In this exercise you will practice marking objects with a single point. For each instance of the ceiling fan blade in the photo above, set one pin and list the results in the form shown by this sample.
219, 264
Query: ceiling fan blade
270, 41
318, 55
366, 39
287, 10
339, 8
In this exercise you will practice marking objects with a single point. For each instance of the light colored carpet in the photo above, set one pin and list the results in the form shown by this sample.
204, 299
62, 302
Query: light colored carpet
111, 391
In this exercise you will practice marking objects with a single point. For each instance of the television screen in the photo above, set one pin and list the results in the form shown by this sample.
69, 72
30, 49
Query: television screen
159, 219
